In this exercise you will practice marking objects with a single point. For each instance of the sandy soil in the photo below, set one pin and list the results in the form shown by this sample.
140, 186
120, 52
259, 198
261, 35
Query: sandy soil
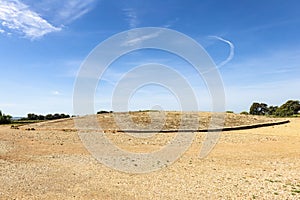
50, 162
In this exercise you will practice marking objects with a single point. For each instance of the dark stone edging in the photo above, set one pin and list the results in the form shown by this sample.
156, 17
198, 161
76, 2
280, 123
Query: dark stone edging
211, 130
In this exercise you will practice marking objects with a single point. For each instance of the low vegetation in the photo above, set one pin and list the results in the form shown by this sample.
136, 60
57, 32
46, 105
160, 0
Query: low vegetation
229, 111
244, 113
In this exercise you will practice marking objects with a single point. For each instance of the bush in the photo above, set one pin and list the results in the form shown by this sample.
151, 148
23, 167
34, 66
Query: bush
41, 117
103, 112
244, 113
32, 116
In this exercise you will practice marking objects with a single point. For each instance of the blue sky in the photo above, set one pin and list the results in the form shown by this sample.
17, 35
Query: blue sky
256, 44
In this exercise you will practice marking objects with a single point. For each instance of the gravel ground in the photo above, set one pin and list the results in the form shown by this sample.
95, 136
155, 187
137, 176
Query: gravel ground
51, 162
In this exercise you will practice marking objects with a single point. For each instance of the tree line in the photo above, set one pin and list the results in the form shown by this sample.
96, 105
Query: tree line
32, 116
290, 108
7, 119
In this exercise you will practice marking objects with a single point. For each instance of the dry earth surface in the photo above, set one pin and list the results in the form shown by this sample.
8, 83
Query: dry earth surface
50, 162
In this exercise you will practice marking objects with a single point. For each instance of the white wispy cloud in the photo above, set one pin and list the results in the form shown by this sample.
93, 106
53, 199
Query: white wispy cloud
171, 23
16, 16
72, 10
231, 53
135, 39
34, 19
131, 17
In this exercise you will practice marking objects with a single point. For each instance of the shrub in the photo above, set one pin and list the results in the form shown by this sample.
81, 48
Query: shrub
103, 112
244, 113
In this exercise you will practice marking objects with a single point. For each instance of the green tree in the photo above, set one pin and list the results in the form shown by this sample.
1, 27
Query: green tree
258, 109
272, 110
49, 116
62, 116
32, 116
4, 119
41, 117
56, 116
289, 108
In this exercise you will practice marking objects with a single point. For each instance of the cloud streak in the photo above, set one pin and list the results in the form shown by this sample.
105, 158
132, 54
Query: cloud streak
72, 10
137, 39
231, 53
171, 23
16, 16
131, 17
